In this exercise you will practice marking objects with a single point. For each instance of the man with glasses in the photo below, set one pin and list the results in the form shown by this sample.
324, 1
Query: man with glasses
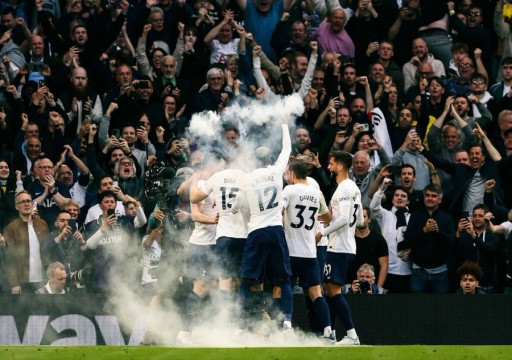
480, 97
64, 174
214, 97
24, 237
460, 86
473, 32
48, 193
420, 55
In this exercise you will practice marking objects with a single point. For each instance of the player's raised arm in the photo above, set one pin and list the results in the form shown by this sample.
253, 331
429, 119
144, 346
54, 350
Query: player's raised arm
286, 149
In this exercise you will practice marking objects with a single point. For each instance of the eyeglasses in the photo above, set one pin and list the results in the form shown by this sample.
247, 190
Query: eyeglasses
216, 79
474, 13
465, 65
169, 103
474, 82
126, 163
24, 202
58, 125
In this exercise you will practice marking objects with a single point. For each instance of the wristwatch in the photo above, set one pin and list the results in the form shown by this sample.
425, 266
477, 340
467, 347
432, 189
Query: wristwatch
55, 191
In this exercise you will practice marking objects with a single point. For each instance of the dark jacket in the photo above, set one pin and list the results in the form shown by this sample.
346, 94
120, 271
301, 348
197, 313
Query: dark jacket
429, 250
461, 177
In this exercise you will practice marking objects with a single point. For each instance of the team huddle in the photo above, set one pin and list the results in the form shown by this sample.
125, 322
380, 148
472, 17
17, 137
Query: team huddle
279, 241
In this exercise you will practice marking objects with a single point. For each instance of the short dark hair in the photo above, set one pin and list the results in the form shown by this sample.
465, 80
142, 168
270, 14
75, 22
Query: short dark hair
342, 157
9, 10
506, 61
483, 207
62, 212
471, 268
408, 166
479, 76
400, 187
434, 188
105, 194
460, 47
299, 168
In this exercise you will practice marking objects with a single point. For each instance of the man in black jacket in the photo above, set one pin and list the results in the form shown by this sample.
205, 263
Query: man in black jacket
468, 179
430, 236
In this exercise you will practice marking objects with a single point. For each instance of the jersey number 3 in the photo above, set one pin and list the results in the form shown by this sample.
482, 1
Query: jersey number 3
301, 208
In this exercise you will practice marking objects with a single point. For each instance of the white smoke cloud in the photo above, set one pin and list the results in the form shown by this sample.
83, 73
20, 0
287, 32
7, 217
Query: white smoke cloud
206, 125
218, 327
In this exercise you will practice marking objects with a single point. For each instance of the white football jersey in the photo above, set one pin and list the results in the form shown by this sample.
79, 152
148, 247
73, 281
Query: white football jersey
262, 190
302, 204
347, 212
224, 185
318, 225
204, 234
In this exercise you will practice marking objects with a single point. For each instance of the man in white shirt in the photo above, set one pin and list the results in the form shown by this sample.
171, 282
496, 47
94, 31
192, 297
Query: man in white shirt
266, 252
56, 273
301, 203
347, 212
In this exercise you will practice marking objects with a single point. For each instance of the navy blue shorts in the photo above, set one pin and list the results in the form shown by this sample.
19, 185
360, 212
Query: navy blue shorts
321, 253
336, 265
201, 262
266, 249
307, 270
229, 254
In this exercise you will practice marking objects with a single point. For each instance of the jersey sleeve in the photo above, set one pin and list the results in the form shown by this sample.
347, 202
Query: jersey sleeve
286, 150
345, 205
323, 205
285, 197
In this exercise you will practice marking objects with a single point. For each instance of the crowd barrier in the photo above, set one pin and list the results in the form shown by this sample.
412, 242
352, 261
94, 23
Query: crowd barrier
89, 319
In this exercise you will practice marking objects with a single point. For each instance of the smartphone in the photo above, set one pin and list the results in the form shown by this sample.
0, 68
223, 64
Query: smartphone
72, 225
143, 84
116, 133
141, 124
111, 212
42, 83
465, 214
87, 120
115, 184
365, 127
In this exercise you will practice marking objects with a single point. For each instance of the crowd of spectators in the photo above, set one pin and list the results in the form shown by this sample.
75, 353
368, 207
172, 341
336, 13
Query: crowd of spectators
93, 93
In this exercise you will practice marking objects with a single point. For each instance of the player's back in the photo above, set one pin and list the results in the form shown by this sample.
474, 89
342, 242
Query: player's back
303, 203
225, 185
263, 188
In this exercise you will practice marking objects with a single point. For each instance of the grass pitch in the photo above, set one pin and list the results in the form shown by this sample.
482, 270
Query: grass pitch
416, 352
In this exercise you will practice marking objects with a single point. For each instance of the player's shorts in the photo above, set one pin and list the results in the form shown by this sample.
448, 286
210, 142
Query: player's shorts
307, 270
266, 249
201, 262
321, 253
229, 254
336, 265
